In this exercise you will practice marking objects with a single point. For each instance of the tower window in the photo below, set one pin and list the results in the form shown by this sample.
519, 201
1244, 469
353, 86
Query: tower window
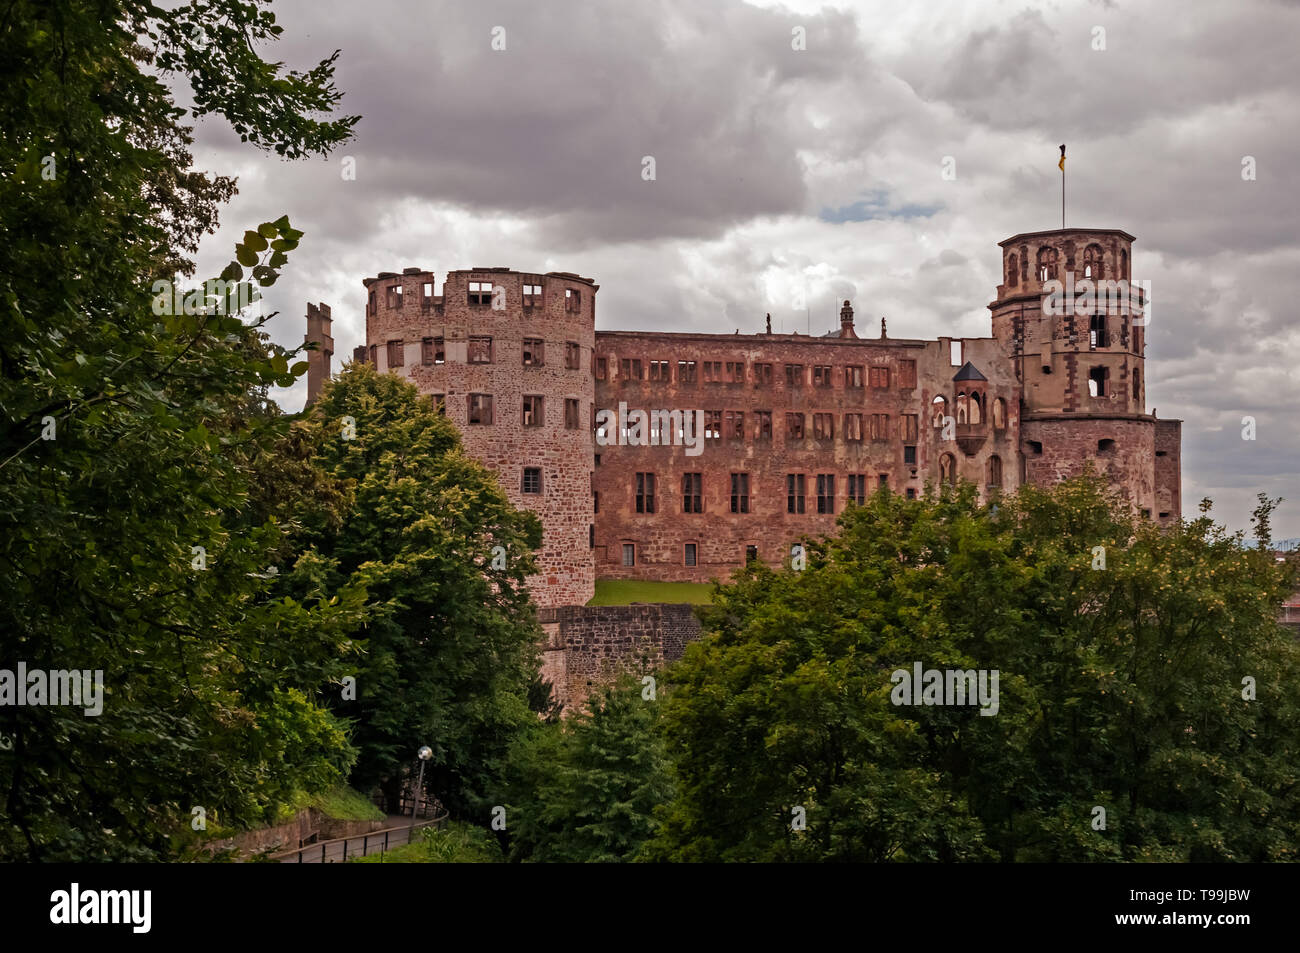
1097, 378
572, 300
1047, 259
394, 353
571, 413
532, 295
572, 355
1098, 336
480, 408
1013, 273
1106, 446
532, 482
1092, 262
534, 411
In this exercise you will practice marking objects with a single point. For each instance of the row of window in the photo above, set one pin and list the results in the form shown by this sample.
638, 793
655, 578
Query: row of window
852, 376
434, 351
1048, 260
479, 294
482, 410
797, 489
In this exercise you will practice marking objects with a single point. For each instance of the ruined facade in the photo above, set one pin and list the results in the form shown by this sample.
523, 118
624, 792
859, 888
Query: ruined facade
795, 427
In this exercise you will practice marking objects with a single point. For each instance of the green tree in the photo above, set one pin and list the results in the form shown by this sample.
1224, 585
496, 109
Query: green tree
133, 432
586, 790
1121, 650
452, 643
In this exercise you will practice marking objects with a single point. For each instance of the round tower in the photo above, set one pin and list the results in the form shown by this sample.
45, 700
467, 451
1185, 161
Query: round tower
509, 356
1072, 322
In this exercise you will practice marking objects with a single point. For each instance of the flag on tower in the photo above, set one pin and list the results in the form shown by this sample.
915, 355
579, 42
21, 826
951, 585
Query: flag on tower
1061, 164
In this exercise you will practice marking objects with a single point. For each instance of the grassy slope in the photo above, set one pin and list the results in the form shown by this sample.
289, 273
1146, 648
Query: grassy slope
620, 592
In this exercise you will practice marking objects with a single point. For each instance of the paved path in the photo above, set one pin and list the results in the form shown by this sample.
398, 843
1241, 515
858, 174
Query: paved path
395, 834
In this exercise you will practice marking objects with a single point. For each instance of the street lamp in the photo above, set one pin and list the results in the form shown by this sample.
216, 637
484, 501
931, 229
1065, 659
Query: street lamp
424, 754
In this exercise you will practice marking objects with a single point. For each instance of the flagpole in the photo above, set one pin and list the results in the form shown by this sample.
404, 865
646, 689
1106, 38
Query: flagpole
1062, 186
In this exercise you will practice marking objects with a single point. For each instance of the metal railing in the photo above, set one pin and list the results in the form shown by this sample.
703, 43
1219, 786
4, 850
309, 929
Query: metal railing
338, 850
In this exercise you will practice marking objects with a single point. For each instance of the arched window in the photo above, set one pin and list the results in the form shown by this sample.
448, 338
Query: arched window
995, 471
976, 411
1046, 263
947, 470
962, 411
1092, 262
999, 414
940, 407
1013, 272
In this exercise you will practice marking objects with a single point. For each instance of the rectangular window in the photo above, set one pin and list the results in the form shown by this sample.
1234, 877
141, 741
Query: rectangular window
426, 295
532, 480
440, 404
793, 426
1098, 336
690, 554
645, 492
572, 300
882, 480
426, 351
599, 368
692, 492
909, 455
686, 372
751, 553
480, 408
480, 350
713, 425
853, 428
712, 372
571, 413
858, 488
794, 493
823, 426
371, 303
794, 375
735, 372
534, 352
853, 376
629, 554
907, 374
880, 426
740, 493
734, 425
879, 377
394, 299
480, 292
910, 427
534, 413
395, 353
595, 501
631, 368
821, 375
532, 295
762, 375
1097, 381
572, 355
660, 371
911, 493
825, 493
372, 354
762, 425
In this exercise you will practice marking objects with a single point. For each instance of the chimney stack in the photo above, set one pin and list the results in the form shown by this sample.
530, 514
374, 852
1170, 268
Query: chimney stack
318, 361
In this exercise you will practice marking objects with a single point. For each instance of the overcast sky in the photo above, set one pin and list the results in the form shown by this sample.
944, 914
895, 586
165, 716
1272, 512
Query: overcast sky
820, 167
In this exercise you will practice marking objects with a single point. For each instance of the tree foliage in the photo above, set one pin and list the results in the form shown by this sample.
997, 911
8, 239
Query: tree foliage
1120, 687
141, 514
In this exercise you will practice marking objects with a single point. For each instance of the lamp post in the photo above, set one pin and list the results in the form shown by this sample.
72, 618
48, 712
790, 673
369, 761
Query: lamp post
424, 754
